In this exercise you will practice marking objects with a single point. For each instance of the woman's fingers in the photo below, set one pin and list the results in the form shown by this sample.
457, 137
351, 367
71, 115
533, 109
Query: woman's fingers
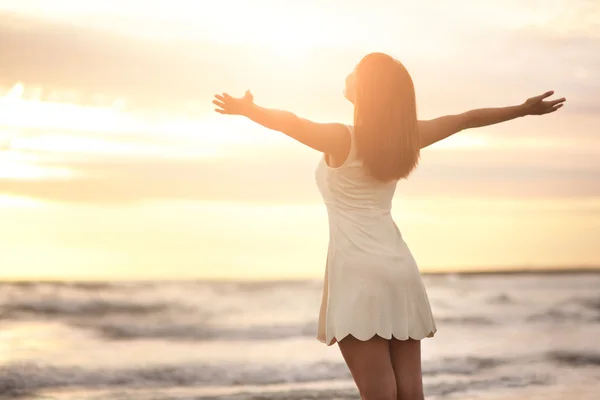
219, 103
228, 104
540, 98
553, 105
546, 95
555, 102
552, 109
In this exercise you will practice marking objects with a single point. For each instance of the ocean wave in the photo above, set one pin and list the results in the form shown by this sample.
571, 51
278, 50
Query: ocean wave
462, 366
124, 319
575, 359
501, 298
465, 320
114, 319
570, 310
58, 306
262, 286
24, 378
504, 381
325, 391
82, 285
27, 377
593, 304
557, 315
91, 286
156, 329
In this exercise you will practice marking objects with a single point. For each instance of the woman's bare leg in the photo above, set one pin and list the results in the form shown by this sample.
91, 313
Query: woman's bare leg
406, 361
371, 367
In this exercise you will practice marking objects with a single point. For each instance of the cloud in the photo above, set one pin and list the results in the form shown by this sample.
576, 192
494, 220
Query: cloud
477, 64
61, 56
121, 180
508, 66
150, 73
287, 177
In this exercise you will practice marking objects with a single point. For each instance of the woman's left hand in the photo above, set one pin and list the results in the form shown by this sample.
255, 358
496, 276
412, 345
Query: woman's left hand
539, 106
234, 105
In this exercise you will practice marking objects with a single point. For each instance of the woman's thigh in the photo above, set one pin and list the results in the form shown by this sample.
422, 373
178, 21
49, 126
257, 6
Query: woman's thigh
371, 367
406, 361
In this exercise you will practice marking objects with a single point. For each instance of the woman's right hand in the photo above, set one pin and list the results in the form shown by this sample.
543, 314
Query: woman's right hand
538, 106
234, 105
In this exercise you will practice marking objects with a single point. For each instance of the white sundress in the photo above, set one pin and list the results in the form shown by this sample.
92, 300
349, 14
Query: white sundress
372, 283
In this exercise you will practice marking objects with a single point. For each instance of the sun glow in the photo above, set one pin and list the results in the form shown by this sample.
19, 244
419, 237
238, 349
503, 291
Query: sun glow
461, 141
113, 120
113, 163
285, 31
14, 167
19, 202
18, 111
33, 131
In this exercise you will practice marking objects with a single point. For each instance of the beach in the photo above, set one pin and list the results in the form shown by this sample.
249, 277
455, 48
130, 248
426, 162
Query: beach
500, 336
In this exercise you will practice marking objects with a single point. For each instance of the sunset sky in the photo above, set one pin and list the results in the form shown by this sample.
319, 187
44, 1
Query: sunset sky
113, 164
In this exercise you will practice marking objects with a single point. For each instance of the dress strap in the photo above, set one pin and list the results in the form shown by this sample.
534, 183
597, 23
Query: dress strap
352, 152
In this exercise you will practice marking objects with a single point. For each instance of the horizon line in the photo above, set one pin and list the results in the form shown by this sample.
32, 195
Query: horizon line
581, 269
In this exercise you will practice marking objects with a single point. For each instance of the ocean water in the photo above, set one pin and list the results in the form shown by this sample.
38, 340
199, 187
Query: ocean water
519, 336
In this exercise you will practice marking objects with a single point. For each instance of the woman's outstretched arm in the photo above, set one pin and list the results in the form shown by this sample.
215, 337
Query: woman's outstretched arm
434, 130
329, 138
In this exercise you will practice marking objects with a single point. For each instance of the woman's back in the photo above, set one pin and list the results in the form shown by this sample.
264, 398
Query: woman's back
351, 187
370, 270
359, 206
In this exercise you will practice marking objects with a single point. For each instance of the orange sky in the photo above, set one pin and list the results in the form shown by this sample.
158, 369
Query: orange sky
112, 163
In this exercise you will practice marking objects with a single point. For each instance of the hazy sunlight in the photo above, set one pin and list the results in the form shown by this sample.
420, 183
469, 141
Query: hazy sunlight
109, 144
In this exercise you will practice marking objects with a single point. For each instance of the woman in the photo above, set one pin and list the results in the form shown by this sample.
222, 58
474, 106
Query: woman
374, 304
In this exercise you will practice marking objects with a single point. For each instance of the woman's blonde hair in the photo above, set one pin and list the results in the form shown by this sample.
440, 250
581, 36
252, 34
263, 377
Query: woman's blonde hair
385, 118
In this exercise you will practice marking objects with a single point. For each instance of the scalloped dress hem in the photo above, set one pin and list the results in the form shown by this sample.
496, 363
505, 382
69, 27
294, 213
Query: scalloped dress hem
362, 338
